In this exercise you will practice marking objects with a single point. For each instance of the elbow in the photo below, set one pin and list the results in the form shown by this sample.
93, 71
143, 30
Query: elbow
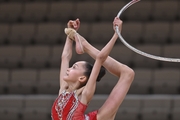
101, 57
128, 73
65, 57
131, 74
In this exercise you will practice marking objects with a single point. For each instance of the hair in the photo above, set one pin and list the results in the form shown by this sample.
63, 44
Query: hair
89, 66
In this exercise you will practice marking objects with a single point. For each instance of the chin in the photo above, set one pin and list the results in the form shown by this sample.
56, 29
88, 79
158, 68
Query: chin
65, 78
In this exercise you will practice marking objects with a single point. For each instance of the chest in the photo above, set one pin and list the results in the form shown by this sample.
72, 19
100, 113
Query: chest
67, 106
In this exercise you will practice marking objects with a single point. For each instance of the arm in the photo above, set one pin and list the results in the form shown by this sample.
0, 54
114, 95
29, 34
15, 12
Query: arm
65, 58
89, 89
110, 64
67, 54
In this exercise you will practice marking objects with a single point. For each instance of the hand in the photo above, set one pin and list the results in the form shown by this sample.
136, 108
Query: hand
75, 24
117, 22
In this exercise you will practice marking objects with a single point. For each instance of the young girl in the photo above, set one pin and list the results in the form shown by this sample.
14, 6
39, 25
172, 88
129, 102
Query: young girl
78, 83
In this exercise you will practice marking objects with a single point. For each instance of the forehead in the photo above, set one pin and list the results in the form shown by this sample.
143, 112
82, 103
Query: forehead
80, 63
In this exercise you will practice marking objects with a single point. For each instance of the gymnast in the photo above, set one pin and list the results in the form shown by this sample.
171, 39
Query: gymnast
78, 83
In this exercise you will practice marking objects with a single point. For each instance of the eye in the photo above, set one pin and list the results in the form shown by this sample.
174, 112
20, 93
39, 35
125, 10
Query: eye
73, 66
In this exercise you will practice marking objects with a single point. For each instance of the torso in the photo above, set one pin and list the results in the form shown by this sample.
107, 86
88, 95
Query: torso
68, 107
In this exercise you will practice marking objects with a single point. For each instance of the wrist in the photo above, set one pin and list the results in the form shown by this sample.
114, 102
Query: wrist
115, 35
69, 40
70, 33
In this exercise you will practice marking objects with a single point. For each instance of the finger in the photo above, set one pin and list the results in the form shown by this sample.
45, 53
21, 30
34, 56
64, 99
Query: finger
74, 25
116, 18
115, 22
77, 21
70, 21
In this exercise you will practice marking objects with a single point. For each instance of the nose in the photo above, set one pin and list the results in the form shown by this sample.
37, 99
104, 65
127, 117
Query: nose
68, 69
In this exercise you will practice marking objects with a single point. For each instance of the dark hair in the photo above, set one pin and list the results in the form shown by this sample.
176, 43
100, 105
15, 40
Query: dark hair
89, 66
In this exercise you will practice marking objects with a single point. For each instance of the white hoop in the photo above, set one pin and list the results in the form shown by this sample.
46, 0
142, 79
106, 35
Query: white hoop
134, 49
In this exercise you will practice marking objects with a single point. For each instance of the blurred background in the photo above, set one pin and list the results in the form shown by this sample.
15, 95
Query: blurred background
32, 38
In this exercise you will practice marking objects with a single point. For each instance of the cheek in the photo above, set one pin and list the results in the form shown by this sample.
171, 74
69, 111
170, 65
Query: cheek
73, 74
76, 72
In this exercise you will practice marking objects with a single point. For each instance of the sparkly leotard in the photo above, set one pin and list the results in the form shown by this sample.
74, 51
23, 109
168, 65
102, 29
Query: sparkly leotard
68, 107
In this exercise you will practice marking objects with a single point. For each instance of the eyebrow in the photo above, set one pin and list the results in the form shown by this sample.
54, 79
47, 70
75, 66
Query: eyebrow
76, 65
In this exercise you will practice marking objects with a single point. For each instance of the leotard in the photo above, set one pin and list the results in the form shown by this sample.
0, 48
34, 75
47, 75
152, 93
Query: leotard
68, 107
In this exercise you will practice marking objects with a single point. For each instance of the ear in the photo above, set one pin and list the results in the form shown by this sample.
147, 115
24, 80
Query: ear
82, 79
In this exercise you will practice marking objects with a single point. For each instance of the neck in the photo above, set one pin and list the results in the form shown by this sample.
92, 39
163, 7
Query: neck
72, 87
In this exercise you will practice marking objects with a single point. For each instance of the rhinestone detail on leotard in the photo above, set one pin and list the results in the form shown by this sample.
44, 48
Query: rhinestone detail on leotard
62, 101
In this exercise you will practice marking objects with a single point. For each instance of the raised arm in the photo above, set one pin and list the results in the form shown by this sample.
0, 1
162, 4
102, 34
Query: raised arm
90, 87
67, 54
93, 52
65, 58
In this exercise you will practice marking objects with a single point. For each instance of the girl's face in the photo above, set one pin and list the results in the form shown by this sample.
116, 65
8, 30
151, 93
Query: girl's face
75, 72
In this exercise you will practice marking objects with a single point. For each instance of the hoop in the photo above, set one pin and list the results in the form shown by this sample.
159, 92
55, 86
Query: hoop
134, 49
